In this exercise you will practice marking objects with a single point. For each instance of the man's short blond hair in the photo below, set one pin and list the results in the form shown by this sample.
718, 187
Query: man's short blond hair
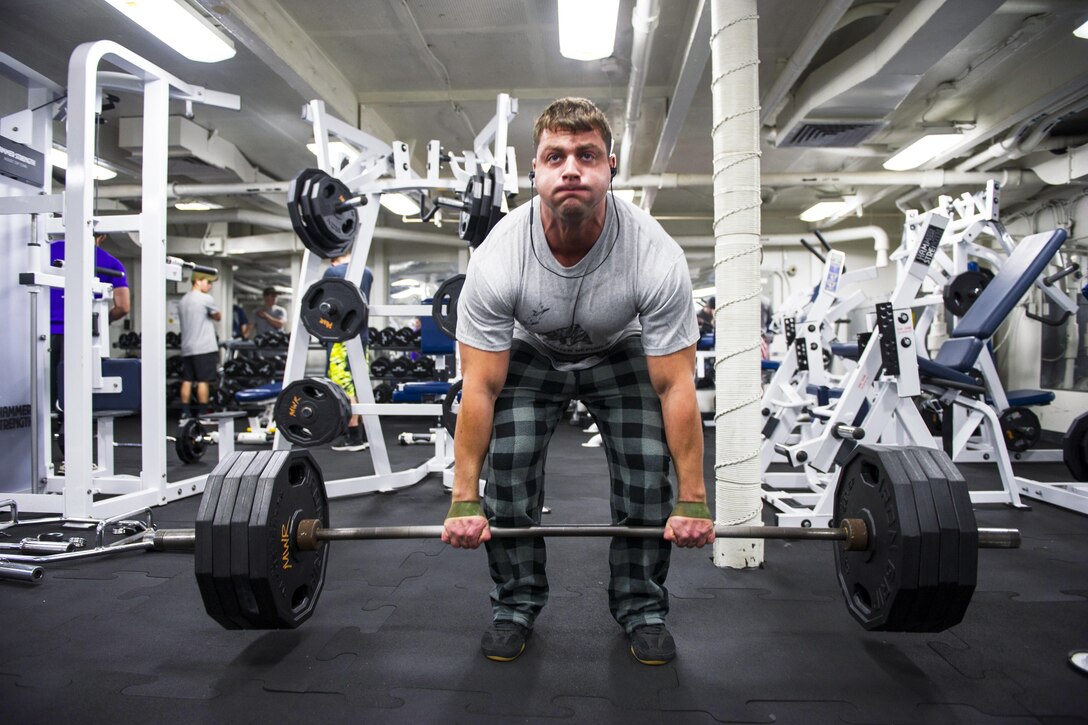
572, 115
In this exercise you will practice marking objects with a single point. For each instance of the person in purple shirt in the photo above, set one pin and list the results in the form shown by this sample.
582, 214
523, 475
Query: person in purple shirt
115, 275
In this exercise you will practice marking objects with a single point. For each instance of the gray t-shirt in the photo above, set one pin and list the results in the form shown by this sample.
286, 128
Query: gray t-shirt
261, 325
634, 280
197, 327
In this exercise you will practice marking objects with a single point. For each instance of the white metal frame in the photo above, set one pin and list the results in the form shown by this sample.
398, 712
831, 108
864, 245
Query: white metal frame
80, 484
368, 176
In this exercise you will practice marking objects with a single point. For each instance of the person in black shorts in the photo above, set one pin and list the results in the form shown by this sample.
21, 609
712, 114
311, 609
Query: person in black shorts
197, 313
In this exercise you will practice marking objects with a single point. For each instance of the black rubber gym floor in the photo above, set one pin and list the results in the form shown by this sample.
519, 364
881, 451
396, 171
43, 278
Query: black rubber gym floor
395, 636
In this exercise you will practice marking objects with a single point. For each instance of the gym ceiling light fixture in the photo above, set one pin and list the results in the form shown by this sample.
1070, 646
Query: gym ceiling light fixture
195, 205
1082, 30
825, 209
924, 149
178, 25
587, 28
400, 204
59, 158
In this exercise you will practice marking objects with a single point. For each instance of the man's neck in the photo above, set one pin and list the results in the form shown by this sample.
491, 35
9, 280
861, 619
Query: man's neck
571, 240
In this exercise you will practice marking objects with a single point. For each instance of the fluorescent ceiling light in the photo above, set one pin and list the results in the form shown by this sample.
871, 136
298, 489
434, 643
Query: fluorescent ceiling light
406, 292
178, 25
824, 209
924, 149
400, 204
196, 206
587, 28
59, 158
1082, 31
338, 151
703, 292
627, 195
405, 282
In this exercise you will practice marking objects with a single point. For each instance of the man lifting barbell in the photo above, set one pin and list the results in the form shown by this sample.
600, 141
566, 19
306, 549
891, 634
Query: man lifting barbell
583, 296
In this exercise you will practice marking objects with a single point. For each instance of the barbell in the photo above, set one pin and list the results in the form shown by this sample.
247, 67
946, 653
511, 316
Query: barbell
907, 558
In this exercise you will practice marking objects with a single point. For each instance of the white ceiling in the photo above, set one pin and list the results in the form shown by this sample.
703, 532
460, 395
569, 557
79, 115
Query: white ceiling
416, 70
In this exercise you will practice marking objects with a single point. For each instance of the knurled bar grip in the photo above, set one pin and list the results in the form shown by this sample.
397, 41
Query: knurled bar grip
310, 533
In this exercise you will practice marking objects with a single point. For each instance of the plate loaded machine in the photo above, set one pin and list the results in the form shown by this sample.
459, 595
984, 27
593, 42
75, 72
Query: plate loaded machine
876, 399
81, 492
334, 214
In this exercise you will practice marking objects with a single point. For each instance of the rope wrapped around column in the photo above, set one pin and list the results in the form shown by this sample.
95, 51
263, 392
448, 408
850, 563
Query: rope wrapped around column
737, 255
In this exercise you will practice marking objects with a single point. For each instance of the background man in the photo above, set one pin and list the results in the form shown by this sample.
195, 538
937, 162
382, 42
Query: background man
197, 313
271, 316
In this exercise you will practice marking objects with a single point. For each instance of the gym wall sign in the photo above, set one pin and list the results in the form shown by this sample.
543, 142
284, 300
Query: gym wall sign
21, 163
14, 416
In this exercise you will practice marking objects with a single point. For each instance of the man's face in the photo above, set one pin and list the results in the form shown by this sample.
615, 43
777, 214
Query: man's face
204, 285
573, 171
270, 300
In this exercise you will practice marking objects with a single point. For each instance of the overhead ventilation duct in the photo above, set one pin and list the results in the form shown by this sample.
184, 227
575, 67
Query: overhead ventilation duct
191, 148
841, 100
831, 135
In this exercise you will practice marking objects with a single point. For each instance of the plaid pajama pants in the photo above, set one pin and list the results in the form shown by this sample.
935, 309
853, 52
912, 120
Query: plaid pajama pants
627, 411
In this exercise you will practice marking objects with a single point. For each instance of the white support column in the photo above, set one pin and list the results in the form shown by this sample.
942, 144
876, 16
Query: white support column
153, 292
737, 252
78, 275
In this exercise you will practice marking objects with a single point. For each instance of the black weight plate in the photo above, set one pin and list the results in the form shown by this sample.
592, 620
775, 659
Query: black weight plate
312, 411
334, 310
239, 540
963, 289
300, 217
444, 305
967, 530
451, 405
931, 607
379, 368
286, 582
1020, 427
1075, 448
189, 442
204, 552
879, 584
220, 538
336, 228
472, 200
948, 522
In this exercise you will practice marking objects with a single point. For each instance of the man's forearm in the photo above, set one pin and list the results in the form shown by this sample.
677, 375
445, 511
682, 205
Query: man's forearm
684, 435
470, 446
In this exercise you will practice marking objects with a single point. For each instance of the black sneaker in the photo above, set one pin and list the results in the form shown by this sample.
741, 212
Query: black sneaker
504, 640
651, 644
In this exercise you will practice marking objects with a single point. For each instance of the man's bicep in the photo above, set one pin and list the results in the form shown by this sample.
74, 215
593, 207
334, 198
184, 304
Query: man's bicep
484, 369
672, 370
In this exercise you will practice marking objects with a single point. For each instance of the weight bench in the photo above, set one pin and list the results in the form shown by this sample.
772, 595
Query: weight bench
255, 402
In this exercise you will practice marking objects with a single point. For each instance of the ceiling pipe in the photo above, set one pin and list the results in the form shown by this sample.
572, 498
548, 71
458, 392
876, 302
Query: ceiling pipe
283, 223
880, 239
930, 179
687, 83
184, 191
822, 27
644, 22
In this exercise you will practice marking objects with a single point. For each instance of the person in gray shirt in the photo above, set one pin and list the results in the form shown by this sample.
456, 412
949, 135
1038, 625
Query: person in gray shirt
271, 317
578, 295
197, 313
